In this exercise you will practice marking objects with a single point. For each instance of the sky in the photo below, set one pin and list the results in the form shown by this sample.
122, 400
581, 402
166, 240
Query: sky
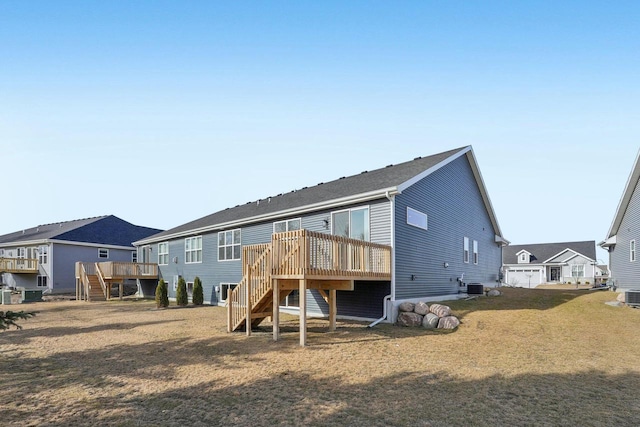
161, 112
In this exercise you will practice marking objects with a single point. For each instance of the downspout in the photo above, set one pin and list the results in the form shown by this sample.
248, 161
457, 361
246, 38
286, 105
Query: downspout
391, 296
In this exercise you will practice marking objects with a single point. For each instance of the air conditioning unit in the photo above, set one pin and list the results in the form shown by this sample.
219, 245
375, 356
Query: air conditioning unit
475, 289
632, 297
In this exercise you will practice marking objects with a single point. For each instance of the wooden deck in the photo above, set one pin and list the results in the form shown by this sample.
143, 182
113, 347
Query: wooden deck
301, 260
95, 279
19, 265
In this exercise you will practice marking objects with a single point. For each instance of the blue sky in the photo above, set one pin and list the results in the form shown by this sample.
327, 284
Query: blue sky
162, 112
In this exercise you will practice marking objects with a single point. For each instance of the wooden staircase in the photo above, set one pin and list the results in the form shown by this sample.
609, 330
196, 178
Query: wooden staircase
95, 279
95, 291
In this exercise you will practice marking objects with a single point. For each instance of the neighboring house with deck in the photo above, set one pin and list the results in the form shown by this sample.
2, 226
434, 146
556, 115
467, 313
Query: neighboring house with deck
44, 256
624, 235
356, 246
528, 266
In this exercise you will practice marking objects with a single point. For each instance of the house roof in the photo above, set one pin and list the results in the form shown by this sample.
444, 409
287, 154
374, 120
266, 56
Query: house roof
368, 185
541, 252
632, 182
106, 230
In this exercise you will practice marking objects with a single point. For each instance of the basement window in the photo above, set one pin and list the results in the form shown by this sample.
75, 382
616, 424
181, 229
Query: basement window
103, 253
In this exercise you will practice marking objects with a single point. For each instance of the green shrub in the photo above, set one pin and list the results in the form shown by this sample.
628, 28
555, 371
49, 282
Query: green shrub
162, 294
198, 293
181, 294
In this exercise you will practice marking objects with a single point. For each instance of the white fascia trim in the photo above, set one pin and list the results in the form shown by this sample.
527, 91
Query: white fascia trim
468, 151
358, 198
501, 240
634, 176
92, 245
609, 242
24, 243
560, 253
579, 254
523, 250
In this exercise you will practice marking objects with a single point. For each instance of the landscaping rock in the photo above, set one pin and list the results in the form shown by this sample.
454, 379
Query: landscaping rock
430, 321
449, 322
440, 310
621, 297
494, 293
421, 308
407, 307
409, 319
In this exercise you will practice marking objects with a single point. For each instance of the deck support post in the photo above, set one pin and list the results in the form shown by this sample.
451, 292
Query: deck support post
276, 309
248, 305
302, 300
121, 289
333, 308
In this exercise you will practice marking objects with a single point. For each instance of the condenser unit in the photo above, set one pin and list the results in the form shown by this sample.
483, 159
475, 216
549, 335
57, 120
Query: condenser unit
632, 298
475, 289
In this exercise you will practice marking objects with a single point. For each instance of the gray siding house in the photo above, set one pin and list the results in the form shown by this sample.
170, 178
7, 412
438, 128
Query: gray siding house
44, 256
434, 212
624, 235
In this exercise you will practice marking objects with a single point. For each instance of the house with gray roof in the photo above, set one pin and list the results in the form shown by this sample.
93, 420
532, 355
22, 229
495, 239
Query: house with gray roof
433, 213
624, 235
567, 262
44, 256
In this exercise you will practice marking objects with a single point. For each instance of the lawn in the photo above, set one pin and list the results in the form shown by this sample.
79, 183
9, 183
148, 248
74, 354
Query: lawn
528, 357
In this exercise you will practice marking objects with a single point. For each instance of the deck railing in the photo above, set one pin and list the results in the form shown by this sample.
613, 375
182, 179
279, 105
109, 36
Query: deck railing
307, 253
132, 270
19, 265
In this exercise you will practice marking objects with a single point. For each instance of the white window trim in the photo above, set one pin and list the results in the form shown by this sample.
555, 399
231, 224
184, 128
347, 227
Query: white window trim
412, 213
632, 250
465, 251
286, 222
193, 251
229, 287
43, 254
475, 252
162, 254
100, 251
575, 266
353, 210
134, 256
232, 245
190, 289
43, 281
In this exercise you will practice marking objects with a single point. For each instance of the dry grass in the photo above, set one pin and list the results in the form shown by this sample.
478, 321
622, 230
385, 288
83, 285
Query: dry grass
530, 357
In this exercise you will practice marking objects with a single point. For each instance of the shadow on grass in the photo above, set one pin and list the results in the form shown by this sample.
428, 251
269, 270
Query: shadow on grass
590, 398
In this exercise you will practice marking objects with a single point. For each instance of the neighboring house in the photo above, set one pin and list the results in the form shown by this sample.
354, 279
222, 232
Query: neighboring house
434, 212
44, 256
528, 266
624, 235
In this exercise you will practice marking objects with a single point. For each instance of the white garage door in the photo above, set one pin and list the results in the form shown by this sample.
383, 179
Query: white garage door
524, 277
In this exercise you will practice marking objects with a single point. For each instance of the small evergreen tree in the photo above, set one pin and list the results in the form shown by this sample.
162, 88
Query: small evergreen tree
181, 294
198, 293
8, 318
162, 294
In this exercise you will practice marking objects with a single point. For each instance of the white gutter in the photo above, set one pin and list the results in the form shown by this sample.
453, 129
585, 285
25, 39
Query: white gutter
364, 197
17, 244
392, 207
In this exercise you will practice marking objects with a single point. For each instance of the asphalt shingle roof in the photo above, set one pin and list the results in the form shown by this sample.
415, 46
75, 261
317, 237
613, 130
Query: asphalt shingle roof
367, 181
107, 230
541, 252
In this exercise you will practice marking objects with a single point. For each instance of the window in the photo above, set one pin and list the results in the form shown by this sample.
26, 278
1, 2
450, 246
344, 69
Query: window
175, 282
229, 245
288, 225
632, 250
42, 281
21, 252
577, 270
225, 288
475, 251
1, 252
190, 289
134, 256
192, 250
103, 253
43, 254
466, 250
523, 257
416, 218
353, 223
163, 253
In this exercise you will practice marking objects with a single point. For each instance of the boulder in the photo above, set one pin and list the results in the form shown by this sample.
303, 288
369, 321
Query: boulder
440, 310
409, 319
448, 322
430, 321
494, 293
407, 307
421, 308
621, 297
